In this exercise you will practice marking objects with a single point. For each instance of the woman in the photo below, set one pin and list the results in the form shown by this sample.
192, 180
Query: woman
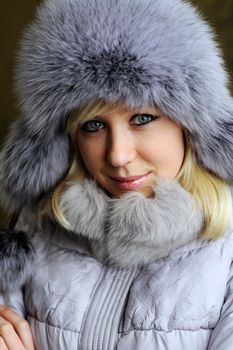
120, 169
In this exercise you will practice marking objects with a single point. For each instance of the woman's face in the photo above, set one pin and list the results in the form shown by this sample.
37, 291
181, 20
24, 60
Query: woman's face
127, 150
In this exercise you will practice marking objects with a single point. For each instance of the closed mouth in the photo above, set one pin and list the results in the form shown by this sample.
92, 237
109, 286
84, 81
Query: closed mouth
130, 182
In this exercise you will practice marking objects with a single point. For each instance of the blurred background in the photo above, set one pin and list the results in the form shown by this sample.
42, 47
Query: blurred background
15, 15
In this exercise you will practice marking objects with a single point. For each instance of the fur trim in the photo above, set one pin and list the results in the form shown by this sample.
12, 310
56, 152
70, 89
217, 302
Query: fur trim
132, 230
16, 259
85, 207
80, 50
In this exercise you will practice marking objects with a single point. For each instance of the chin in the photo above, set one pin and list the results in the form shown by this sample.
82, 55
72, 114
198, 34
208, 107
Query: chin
148, 192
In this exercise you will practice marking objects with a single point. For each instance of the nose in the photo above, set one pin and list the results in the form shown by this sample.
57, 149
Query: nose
121, 148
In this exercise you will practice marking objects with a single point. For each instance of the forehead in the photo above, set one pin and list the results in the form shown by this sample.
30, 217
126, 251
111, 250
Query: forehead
98, 108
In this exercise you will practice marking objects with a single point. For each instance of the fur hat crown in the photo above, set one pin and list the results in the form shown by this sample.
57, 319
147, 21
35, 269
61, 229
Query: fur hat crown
139, 52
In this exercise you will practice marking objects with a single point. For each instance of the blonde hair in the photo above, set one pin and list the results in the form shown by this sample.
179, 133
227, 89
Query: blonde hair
211, 193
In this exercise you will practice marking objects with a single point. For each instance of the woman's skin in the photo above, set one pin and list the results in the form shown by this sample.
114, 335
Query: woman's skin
15, 333
124, 151
127, 150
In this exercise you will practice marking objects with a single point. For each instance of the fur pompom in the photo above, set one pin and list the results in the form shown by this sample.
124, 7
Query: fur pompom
143, 230
88, 217
16, 259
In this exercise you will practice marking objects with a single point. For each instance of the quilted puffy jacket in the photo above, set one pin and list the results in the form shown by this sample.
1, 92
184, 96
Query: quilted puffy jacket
74, 302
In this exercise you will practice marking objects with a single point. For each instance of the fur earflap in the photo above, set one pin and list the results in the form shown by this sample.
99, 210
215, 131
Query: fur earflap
48, 163
132, 230
16, 259
150, 52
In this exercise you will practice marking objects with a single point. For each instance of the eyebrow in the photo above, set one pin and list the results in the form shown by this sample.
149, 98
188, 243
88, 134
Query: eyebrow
147, 110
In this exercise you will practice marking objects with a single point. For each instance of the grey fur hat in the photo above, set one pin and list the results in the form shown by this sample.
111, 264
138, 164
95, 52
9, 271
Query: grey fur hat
139, 52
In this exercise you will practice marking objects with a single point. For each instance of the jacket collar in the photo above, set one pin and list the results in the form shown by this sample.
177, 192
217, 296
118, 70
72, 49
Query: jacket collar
132, 231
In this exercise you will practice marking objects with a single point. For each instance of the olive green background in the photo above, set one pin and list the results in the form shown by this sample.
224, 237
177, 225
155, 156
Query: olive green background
14, 16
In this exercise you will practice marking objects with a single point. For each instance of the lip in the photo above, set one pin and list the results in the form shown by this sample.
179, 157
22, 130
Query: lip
129, 183
127, 179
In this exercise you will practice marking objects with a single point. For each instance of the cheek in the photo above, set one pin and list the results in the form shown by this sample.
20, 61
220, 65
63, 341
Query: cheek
167, 155
91, 154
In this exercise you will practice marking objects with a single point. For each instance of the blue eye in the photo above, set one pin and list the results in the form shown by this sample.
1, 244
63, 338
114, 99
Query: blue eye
141, 119
93, 125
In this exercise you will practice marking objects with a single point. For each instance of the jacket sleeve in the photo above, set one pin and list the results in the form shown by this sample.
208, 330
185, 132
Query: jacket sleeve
222, 335
15, 301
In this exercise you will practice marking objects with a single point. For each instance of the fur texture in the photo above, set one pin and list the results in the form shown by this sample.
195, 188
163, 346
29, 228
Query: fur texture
140, 52
16, 259
133, 230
